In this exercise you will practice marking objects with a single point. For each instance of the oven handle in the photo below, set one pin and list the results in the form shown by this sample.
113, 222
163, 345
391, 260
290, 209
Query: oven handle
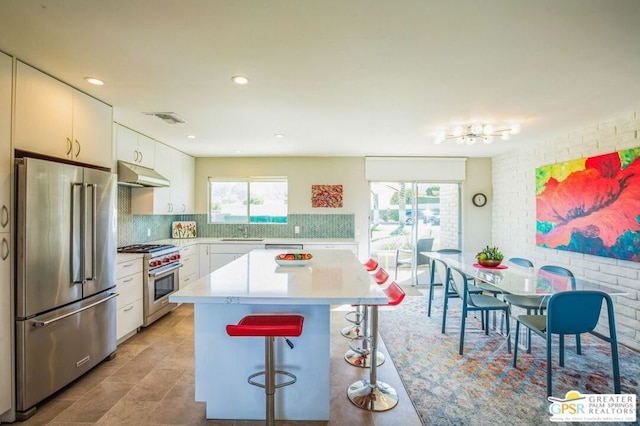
164, 270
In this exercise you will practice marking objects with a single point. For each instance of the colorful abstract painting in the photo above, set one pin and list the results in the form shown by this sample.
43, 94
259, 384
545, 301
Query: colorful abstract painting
326, 196
591, 205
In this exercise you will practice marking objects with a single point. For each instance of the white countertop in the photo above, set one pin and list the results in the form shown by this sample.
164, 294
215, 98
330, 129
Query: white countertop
331, 277
225, 240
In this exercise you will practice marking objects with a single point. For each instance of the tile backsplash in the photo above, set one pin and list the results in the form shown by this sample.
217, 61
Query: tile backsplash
133, 229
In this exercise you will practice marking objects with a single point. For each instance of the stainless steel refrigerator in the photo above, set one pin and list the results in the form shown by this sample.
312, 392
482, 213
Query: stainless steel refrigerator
65, 276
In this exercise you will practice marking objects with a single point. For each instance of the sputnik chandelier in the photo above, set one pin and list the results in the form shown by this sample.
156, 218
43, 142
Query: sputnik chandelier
472, 133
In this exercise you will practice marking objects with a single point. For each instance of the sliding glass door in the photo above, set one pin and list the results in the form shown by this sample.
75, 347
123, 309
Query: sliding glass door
408, 218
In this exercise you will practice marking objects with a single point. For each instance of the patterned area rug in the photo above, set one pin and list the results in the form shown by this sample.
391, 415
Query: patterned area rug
481, 387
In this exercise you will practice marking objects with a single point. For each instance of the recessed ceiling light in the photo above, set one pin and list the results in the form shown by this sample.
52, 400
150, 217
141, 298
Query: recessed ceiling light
240, 79
191, 136
94, 81
278, 135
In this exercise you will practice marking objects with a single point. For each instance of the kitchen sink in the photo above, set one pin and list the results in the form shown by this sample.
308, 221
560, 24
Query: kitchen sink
241, 239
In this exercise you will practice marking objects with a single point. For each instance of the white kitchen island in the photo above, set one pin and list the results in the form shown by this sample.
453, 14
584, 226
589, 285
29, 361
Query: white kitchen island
254, 283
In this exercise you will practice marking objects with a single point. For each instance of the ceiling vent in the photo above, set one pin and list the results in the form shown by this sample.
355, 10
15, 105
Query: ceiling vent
167, 117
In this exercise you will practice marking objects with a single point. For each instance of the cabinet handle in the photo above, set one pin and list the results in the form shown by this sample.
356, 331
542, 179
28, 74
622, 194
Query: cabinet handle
5, 216
78, 145
5, 249
70, 146
184, 207
128, 280
141, 156
128, 308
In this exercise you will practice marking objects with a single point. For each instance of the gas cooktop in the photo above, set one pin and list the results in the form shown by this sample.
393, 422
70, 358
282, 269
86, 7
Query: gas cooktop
144, 248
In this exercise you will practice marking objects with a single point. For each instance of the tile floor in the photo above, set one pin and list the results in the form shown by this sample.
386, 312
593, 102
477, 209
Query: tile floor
151, 382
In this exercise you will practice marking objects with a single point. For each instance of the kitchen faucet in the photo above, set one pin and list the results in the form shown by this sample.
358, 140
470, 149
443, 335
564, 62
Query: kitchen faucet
245, 231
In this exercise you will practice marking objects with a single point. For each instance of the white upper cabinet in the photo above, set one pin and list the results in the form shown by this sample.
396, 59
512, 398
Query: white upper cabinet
5, 143
52, 118
6, 321
179, 169
134, 147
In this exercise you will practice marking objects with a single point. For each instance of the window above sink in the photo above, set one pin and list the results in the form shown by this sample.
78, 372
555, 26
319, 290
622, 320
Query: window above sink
252, 200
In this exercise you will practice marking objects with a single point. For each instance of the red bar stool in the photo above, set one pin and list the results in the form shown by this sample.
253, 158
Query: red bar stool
269, 326
360, 355
373, 395
371, 265
358, 317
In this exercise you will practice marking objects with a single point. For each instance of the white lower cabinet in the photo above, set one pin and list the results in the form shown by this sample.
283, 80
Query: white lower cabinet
222, 254
329, 246
189, 257
129, 316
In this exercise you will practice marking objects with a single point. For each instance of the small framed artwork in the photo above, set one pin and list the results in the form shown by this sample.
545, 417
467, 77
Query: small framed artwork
329, 196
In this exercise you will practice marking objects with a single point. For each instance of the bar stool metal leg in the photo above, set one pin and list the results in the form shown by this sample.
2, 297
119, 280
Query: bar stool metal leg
362, 357
372, 395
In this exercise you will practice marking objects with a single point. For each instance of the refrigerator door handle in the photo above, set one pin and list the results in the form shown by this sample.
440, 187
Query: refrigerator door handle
77, 234
89, 271
68, 314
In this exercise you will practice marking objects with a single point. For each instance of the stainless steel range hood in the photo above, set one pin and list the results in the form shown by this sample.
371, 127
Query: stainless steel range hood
135, 175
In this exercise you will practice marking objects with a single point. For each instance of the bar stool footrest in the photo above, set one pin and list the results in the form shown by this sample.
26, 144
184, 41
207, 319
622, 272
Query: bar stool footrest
354, 317
352, 331
363, 360
277, 386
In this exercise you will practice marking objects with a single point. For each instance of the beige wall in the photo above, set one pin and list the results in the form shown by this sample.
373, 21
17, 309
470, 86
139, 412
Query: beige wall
476, 221
302, 172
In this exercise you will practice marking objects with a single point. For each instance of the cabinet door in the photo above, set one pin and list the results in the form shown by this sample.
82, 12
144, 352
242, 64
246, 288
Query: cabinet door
147, 151
43, 108
92, 141
5, 142
5, 254
187, 184
126, 144
218, 260
204, 260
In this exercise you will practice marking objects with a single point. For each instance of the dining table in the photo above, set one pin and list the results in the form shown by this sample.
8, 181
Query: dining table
518, 280
257, 284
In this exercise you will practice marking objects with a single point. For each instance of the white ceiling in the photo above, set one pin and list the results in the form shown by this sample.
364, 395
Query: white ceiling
338, 77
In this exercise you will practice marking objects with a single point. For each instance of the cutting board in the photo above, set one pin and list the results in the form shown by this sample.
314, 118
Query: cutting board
183, 229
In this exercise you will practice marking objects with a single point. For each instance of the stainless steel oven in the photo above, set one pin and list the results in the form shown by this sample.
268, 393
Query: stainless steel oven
161, 276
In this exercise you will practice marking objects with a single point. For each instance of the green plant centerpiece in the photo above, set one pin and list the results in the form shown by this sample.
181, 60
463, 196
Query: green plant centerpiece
490, 256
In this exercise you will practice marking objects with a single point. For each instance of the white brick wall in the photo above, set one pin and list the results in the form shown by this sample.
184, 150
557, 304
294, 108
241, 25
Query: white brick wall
514, 212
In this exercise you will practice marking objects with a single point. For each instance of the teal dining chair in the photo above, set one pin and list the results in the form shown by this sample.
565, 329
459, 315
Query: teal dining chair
442, 270
475, 302
532, 304
434, 282
564, 272
572, 312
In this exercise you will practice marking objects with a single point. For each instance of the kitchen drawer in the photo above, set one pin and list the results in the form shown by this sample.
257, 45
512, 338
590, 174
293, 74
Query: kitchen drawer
189, 265
189, 250
234, 248
188, 279
329, 246
129, 289
128, 318
129, 267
